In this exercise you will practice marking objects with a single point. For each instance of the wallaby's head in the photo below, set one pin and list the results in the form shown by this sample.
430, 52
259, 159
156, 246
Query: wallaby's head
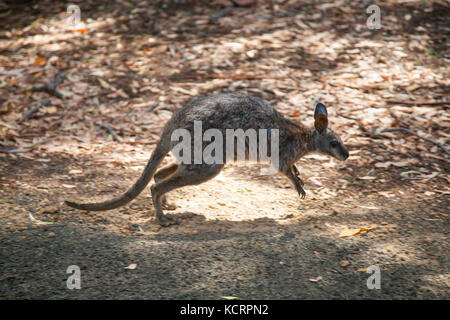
325, 139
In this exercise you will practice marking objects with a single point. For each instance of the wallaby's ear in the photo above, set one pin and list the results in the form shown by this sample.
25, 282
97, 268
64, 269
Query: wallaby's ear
321, 118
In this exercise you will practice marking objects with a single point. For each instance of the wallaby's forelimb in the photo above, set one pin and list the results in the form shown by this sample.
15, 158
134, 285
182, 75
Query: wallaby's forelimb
292, 173
297, 174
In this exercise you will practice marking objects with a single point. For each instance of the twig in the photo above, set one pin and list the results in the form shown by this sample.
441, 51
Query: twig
142, 142
152, 107
183, 56
50, 88
261, 88
35, 108
238, 5
26, 149
406, 155
346, 117
417, 135
18, 72
15, 72
213, 19
412, 103
225, 76
111, 132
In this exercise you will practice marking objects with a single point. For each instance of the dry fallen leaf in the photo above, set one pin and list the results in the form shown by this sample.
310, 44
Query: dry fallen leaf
231, 298
296, 113
316, 182
39, 222
316, 279
412, 87
344, 263
50, 110
353, 232
402, 163
383, 164
190, 232
49, 209
39, 61
367, 178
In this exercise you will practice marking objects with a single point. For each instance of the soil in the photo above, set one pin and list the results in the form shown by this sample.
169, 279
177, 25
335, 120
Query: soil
242, 234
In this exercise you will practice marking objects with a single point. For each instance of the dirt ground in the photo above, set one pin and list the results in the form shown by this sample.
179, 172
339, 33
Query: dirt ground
131, 64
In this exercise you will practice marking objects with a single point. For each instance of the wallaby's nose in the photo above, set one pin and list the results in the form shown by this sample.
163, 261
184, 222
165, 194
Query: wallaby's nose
346, 155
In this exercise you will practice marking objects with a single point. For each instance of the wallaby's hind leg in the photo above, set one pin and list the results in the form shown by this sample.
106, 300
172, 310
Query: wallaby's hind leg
292, 173
185, 175
162, 174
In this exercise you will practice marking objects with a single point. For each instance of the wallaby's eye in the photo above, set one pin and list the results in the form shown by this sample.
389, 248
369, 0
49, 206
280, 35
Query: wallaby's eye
334, 144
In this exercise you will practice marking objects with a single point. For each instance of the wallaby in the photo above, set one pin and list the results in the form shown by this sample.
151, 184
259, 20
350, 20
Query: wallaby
222, 112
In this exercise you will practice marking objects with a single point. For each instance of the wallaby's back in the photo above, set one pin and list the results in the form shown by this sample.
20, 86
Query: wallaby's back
227, 111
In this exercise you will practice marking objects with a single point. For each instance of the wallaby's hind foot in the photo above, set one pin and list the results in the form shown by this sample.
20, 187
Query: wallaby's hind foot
168, 205
184, 175
162, 174
167, 221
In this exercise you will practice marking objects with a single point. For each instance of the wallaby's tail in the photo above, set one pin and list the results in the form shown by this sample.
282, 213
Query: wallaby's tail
156, 158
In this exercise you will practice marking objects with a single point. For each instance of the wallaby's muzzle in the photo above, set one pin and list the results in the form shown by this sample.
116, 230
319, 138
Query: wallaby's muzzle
345, 154
341, 154
339, 151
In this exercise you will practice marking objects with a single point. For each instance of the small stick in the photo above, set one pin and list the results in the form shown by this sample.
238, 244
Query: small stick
238, 5
26, 149
50, 88
35, 108
141, 142
417, 135
346, 117
412, 103
183, 56
225, 76
407, 155
220, 14
111, 132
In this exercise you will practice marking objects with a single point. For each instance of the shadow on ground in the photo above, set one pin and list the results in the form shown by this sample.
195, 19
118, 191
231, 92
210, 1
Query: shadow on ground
270, 265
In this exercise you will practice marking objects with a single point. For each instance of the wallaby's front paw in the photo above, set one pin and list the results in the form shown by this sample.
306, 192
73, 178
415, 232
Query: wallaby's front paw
302, 193
301, 182
166, 221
